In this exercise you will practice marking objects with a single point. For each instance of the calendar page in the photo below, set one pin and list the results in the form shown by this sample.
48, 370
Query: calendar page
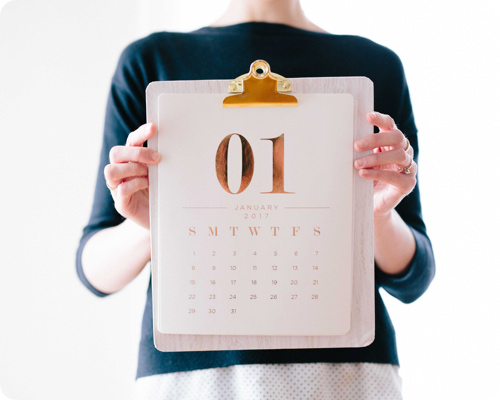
255, 216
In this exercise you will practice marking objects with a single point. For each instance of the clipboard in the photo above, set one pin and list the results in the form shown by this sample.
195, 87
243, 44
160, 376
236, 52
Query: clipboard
231, 173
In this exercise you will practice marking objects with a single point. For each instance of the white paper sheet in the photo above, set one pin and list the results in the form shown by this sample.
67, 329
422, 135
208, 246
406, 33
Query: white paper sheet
255, 263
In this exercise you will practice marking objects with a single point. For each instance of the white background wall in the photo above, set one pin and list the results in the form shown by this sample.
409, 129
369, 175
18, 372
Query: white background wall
58, 341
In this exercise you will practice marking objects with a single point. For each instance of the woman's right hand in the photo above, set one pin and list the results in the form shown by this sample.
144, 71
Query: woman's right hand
127, 175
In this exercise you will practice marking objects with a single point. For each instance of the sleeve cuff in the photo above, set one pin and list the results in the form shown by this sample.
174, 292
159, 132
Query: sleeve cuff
79, 267
415, 280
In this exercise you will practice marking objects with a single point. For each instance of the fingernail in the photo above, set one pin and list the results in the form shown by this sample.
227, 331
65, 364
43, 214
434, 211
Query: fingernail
155, 156
359, 163
360, 144
373, 114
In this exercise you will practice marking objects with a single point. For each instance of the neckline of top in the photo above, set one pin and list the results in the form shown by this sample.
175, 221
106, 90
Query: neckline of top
264, 27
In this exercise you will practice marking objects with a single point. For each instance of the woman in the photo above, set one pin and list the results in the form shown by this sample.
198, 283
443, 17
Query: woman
115, 244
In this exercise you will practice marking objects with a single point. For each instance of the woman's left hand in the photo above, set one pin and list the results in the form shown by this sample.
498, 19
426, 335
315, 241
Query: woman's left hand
387, 167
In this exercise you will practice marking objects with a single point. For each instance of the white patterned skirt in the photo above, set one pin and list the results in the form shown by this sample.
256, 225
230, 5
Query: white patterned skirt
342, 381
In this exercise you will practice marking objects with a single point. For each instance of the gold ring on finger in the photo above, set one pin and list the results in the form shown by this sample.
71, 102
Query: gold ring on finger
406, 170
110, 188
407, 144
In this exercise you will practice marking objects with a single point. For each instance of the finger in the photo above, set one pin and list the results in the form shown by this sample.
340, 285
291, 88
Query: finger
397, 156
412, 167
394, 138
383, 121
141, 134
410, 151
403, 183
126, 189
116, 173
123, 154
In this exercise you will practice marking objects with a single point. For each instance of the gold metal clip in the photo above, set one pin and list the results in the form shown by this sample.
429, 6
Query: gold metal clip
260, 88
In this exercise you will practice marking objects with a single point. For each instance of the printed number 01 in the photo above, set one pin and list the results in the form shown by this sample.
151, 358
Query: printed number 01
248, 163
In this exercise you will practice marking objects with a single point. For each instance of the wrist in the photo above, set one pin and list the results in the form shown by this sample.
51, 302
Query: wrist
382, 219
394, 243
142, 236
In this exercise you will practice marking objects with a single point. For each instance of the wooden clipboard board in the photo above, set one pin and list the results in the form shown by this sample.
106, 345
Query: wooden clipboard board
190, 217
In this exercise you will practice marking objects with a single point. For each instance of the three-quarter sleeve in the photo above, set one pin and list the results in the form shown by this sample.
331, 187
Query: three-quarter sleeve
125, 112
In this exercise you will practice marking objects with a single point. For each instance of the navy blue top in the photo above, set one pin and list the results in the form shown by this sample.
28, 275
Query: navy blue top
227, 52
